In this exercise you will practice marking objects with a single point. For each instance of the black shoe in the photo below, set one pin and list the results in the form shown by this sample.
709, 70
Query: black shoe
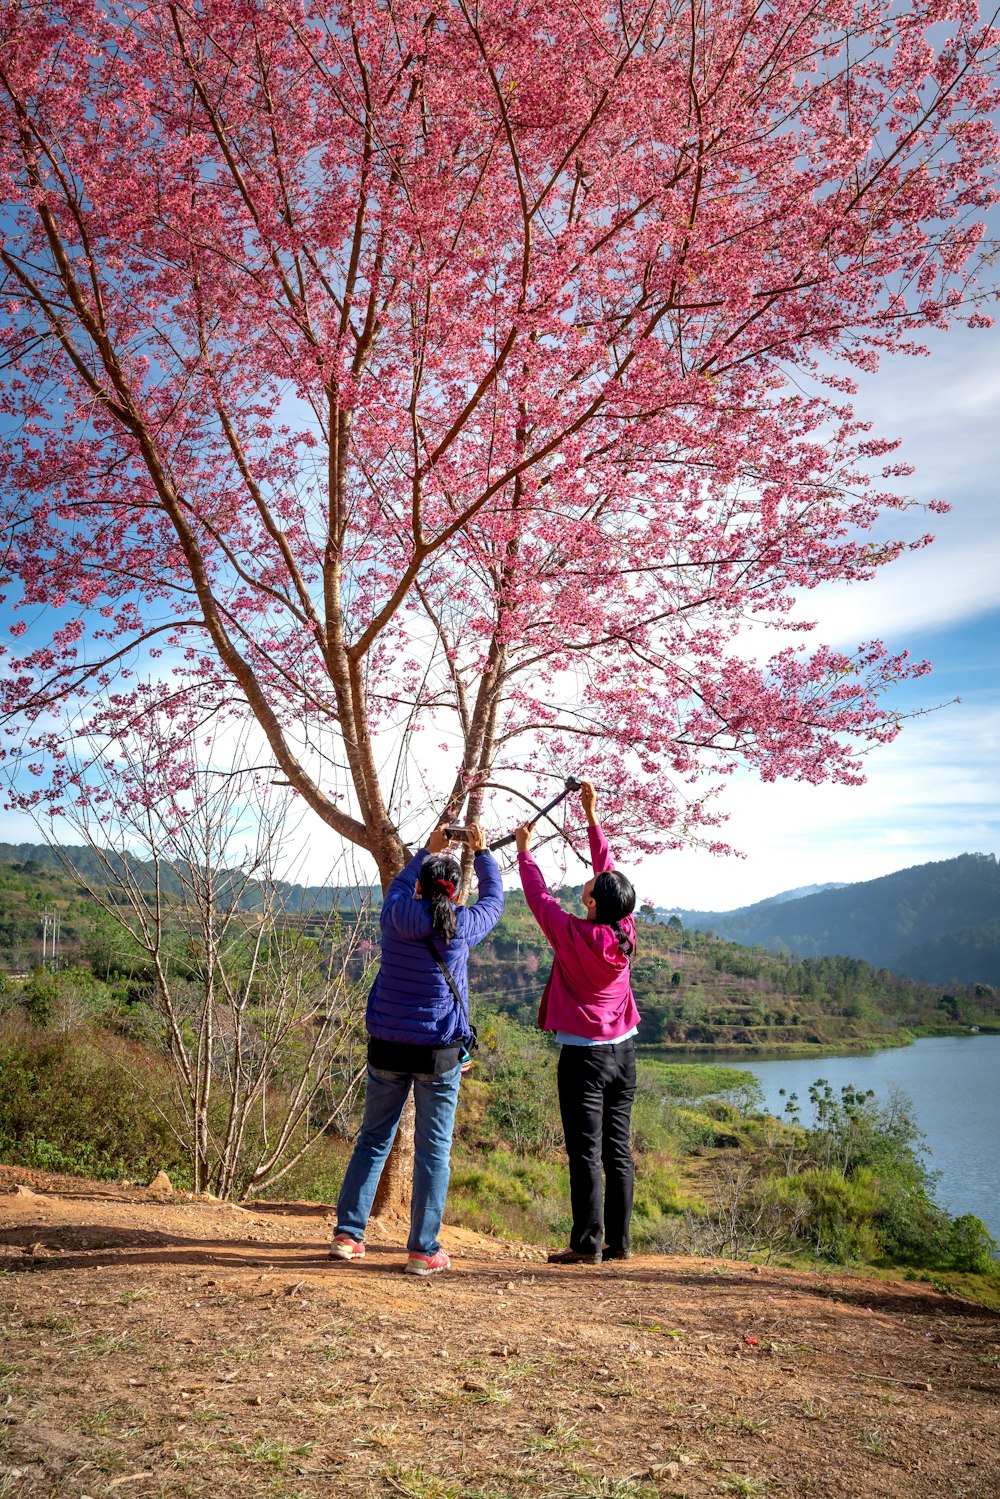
616, 1254
573, 1257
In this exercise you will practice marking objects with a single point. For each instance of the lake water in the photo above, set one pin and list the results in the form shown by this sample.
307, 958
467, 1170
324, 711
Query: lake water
953, 1083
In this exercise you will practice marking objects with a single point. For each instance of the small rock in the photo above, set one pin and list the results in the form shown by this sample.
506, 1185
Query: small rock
161, 1183
20, 1191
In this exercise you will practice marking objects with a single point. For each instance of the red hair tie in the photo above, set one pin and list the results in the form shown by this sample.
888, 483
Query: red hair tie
448, 887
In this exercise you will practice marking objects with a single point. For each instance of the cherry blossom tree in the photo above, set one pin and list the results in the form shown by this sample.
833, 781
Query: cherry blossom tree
447, 386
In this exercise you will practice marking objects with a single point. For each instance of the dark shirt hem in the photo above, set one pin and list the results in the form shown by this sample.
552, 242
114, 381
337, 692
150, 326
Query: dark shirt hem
399, 1056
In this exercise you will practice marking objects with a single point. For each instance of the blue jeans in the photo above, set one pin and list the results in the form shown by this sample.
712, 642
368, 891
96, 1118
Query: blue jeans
435, 1099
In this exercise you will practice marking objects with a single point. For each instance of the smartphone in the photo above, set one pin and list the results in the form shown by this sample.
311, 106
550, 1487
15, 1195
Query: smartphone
457, 834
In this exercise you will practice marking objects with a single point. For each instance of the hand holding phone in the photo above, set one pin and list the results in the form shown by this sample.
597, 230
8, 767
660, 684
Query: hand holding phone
471, 835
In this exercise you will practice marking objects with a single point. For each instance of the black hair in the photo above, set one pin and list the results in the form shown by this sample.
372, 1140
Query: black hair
614, 899
436, 871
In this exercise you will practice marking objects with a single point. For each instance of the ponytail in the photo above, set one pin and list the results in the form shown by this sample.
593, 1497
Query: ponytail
625, 946
439, 879
614, 899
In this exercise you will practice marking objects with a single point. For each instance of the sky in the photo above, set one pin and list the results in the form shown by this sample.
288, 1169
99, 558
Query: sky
933, 793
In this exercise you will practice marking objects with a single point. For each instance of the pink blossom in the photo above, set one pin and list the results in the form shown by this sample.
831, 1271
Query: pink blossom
486, 376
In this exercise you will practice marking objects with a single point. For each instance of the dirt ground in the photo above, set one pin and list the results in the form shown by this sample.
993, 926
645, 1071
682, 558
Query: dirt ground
164, 1346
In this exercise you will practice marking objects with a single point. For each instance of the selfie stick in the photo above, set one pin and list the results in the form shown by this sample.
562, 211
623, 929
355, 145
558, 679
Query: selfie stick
571, 784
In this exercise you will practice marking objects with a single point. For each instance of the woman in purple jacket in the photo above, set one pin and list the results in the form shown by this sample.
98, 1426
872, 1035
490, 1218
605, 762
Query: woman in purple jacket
418, 1025
588, 1003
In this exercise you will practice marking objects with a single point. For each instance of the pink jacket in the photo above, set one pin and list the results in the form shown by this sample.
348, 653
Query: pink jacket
588, 991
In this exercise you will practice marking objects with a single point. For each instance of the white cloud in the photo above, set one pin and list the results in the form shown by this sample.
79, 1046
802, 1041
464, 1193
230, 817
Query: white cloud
933, 793
930, 795
946, 409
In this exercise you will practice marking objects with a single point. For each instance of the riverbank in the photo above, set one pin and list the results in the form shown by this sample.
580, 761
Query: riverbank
796, 1050
790, 1050
953, 1086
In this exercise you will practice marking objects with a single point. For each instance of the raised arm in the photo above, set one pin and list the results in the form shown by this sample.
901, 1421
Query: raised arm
600, 854
484, 915
405, 915
399, 910
547, 911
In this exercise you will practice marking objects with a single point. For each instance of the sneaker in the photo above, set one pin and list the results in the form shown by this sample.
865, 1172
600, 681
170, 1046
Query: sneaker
346, 1248
427, 1264
616, 1254
573, 1257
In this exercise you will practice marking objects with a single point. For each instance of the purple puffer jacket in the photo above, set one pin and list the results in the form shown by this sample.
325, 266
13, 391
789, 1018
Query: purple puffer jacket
410, 1000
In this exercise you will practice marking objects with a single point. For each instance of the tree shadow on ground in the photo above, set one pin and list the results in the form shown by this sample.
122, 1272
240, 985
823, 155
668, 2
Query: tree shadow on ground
97, 1245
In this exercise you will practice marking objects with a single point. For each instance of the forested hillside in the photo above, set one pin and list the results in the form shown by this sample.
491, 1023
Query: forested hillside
37, 861
694, 990
937, 921
697, 990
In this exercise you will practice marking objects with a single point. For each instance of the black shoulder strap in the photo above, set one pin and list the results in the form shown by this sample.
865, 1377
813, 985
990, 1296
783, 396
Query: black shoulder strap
429, 944
471, 1034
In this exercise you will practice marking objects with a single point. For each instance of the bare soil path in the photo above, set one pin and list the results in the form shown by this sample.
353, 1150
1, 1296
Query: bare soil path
175, 1347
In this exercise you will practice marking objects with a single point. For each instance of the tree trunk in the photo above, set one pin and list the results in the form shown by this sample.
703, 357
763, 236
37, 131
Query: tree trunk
392, 1200
395, 1188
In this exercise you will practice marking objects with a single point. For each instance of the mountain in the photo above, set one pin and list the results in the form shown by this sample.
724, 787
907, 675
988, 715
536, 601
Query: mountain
782, 898
36, 858
803, 890
693, 990
966, 955
938, 921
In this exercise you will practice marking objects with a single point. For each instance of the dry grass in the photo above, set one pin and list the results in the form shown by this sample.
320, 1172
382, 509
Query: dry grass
187, 1349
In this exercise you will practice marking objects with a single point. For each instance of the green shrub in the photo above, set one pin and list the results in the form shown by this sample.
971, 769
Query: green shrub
485, 1186
511, 1195
658, 1192
653, 1126
523, 1107
316, 1178
692, 1129
86, 1102
67, 999
835, 1216
971, 1246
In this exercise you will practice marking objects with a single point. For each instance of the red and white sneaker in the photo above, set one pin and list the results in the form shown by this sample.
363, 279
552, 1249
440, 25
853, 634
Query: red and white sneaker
346, 1248
427, 1264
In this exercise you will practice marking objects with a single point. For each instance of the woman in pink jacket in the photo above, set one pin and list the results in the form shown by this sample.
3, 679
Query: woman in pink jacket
588, 1003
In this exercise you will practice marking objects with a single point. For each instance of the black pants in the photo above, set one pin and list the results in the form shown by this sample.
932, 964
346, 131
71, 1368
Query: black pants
596, 1089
